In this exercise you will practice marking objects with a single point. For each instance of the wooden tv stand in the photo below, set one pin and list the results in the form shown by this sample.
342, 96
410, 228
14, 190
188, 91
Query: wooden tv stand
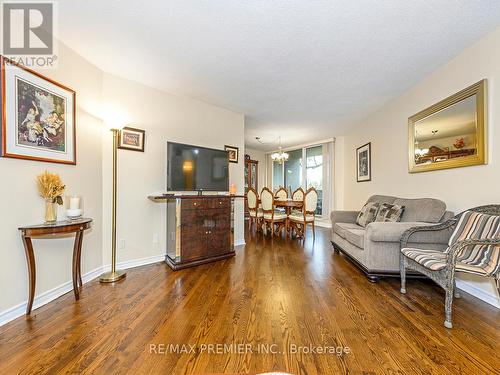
200, 229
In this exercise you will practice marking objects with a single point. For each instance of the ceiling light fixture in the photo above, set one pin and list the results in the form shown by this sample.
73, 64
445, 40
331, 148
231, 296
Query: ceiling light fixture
279, 156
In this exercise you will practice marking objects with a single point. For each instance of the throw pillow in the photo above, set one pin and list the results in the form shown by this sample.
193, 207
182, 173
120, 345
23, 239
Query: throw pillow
367, 214
389, 212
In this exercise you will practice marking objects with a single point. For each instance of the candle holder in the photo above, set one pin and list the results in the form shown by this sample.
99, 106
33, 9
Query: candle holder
74, 207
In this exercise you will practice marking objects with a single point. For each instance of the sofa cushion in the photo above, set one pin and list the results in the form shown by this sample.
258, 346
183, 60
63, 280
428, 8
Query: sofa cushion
367, 213
389, 213
392, 232
340, 228
356, 237
423, 209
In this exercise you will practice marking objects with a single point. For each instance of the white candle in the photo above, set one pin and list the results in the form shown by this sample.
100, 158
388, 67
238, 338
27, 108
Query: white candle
74, 203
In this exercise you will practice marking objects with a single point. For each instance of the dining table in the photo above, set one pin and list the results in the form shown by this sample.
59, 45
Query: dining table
288, 204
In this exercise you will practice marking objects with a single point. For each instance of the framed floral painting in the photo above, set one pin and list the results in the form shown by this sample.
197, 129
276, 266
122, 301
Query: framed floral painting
38, 116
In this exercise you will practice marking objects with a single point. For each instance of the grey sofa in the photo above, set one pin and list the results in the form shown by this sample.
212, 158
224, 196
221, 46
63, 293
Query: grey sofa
375, 248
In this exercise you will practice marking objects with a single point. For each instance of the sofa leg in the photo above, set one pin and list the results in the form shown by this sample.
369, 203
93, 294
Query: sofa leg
372, 278
335, 248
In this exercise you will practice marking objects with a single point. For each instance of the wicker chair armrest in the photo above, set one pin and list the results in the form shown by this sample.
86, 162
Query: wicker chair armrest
405, 237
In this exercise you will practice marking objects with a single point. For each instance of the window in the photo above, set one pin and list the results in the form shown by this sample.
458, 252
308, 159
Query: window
293, 170
314, 173
304, 168
277, 175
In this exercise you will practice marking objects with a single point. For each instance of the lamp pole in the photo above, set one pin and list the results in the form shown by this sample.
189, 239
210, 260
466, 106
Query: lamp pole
114, 274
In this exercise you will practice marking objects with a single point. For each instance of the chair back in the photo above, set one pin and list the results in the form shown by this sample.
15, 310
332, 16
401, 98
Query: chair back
281, 193
480, 223
310, 201
267, 200
252, 199
298, 195
476, 223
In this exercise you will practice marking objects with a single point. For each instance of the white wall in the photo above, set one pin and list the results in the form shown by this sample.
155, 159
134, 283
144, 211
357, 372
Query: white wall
21, 204
102, 100
165, 117
260, 156
387, 131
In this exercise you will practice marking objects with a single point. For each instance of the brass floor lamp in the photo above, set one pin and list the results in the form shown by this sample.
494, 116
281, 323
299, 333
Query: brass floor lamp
114, 274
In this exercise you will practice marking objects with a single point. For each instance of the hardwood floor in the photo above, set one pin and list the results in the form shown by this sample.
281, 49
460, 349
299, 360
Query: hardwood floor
274, 292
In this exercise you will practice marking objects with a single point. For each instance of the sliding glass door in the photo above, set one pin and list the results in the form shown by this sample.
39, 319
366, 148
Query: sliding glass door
314, 173
304, 168
293, 170
277, 175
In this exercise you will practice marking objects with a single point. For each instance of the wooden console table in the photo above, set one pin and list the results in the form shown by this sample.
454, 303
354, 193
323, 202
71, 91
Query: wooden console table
58, 228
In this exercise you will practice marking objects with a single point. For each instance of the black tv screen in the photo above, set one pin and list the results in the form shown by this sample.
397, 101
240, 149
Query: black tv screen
194, 168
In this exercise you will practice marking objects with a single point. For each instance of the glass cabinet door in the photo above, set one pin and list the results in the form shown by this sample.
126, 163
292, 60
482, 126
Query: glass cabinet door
253, 176
246, 176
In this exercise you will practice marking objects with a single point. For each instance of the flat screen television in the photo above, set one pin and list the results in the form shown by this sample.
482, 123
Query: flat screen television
195, 168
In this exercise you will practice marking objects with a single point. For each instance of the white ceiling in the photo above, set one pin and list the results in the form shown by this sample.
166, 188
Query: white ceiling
305, 70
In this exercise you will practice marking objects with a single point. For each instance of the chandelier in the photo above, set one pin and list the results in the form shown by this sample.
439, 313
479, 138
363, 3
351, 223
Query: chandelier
279, 156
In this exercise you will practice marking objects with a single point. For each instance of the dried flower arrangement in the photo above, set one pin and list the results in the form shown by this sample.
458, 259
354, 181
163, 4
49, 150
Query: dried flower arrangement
51, 187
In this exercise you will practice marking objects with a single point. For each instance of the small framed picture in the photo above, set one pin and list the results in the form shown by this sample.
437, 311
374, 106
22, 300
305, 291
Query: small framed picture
232, 153
364, 163
131, 139
38, 116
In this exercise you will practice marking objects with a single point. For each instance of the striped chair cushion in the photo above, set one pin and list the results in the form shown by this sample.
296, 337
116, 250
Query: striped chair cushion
475, 225
431, 259
436, 260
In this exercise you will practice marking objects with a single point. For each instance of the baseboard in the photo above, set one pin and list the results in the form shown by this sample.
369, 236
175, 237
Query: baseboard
239, 243
322, 224
46, 297
137, 262
478, 293
52, 294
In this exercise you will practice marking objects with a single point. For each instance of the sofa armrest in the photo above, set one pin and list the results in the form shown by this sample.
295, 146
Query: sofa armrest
441, 231
392, 232
343, 216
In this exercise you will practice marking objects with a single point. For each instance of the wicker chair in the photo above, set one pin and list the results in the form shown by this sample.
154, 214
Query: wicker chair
474, 247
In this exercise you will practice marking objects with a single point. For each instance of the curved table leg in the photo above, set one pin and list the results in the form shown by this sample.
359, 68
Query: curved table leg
80, 284
76, 257
30, 257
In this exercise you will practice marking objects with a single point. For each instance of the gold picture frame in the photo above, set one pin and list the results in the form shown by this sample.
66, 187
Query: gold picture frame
132, 139
435, 158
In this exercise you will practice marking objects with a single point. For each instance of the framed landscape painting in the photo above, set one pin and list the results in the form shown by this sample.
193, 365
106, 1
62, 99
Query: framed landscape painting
38, 116
364, 163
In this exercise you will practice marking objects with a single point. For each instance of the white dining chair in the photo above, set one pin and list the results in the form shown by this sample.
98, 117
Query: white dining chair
254, 211
271, 216
300, 219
